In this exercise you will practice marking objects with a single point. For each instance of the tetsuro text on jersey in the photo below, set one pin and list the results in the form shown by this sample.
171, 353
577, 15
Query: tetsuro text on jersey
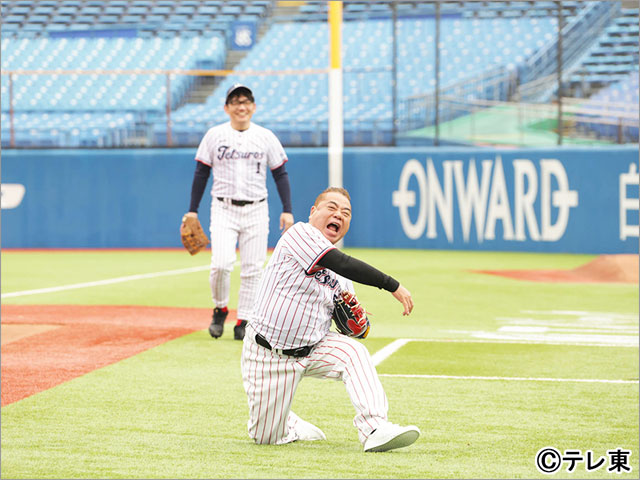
323, 278
233, 154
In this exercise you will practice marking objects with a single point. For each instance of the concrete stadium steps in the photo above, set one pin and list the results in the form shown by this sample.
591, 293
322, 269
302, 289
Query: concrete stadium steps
611, 58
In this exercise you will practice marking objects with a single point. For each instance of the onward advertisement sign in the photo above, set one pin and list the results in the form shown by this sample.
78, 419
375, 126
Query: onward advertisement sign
577, 200
557, 200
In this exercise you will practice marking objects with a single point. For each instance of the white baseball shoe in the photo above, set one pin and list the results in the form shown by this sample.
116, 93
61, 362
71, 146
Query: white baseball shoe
389, 436
306, 431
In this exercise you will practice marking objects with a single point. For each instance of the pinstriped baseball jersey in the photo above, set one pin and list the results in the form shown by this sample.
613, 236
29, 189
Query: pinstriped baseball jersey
240, 160
295, 295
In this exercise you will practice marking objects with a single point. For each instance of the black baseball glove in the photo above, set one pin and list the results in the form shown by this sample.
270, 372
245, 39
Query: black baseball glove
349, 316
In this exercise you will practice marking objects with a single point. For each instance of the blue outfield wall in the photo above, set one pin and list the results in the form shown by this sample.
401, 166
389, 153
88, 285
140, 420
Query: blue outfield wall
579, 200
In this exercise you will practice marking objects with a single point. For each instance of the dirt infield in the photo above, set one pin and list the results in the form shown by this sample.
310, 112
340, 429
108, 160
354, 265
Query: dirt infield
44, 346
603, 269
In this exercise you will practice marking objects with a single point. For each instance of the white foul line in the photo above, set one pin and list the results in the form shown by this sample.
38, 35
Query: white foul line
388, 350
505, 340
394, 346
105, 282
524, 379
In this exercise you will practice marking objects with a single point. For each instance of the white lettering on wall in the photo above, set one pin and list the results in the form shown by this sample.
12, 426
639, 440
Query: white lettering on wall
485, 199
632, 178
440, 200
11, 195
562, 198
472, 197
404, 198
498, 205
525, 173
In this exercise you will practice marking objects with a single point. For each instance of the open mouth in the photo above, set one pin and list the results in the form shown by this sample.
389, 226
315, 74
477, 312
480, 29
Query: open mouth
334, 227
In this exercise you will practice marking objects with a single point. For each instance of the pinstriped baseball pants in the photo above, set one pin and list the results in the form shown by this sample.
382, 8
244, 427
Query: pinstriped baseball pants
270, 381
248, 228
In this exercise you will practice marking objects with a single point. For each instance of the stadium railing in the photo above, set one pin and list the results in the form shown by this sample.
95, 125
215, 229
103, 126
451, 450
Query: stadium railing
582, 29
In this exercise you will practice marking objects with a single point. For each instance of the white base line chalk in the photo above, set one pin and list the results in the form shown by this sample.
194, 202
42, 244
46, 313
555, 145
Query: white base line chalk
518, 379
108, 281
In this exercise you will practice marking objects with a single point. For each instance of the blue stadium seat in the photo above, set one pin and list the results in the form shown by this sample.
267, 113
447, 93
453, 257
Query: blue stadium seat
17, 10
67, 10
42, 10
208, 9
131, 18
114, 10
185, 10
13, 19
111, 19
254, 10
10, 27
137, 10
231, 9
178, 19
89, 10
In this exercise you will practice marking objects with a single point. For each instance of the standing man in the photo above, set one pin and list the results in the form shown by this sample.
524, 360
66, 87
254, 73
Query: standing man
239, 153
288, 335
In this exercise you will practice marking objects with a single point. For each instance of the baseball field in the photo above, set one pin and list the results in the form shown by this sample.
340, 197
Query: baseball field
108, 370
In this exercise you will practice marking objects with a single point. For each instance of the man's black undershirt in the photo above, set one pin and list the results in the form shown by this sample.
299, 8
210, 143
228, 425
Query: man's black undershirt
357, 270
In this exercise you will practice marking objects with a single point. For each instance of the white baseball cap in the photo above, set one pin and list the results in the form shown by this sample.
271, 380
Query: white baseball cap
238, 86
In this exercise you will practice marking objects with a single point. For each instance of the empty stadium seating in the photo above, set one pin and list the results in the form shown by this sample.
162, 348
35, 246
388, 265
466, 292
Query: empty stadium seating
87, 129
302, 100
358, 10
103, 92
612, 102
78, 109
147, 17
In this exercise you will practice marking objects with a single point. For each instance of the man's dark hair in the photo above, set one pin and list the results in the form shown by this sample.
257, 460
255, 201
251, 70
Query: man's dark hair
240, 92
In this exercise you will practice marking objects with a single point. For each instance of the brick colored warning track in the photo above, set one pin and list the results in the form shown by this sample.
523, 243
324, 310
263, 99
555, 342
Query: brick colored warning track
86, 338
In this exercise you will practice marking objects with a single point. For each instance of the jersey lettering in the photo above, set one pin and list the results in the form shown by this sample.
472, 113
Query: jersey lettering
324, 279
233, 154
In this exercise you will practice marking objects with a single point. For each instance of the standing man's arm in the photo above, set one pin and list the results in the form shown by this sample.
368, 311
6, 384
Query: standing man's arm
200, 179
191, 233
281, 178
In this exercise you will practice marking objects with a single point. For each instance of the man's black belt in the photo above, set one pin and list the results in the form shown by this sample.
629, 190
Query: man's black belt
240, 203
293, 352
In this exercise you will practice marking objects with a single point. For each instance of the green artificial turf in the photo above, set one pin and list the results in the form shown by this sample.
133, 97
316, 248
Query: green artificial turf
179, 410
514, 360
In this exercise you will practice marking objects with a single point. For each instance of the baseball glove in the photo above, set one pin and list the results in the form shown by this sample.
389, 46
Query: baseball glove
192, 235
349, 316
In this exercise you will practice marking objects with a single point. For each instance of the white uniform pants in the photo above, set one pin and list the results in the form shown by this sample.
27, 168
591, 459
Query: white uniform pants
247, 227
270, 381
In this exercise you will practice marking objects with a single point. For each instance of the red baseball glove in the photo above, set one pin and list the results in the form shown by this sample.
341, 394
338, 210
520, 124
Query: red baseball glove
349, 316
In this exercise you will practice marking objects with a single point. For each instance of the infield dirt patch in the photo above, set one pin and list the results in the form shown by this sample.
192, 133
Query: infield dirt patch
603, 269
47, 345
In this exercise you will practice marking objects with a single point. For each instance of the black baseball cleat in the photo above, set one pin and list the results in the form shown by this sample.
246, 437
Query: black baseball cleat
217, 323
238, 330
